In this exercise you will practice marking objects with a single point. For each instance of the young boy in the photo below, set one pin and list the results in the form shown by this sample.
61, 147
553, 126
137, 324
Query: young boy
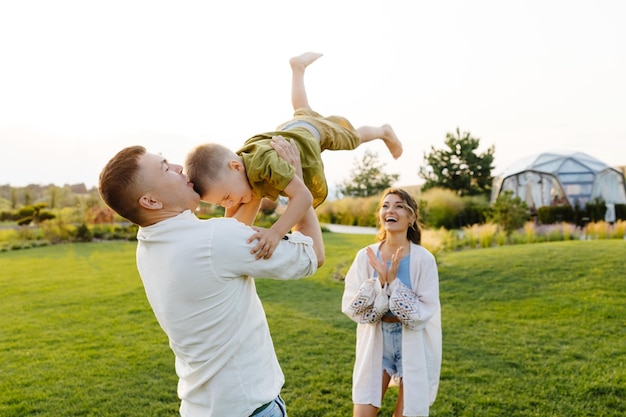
239, 181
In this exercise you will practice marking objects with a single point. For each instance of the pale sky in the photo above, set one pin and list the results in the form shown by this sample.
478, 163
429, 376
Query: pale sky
79, 80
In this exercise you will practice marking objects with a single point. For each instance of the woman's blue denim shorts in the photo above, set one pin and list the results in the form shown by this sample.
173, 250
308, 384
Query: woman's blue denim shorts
392, 348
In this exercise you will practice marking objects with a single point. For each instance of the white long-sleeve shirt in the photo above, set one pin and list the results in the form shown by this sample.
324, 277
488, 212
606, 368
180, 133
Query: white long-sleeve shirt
365, 301
197, 275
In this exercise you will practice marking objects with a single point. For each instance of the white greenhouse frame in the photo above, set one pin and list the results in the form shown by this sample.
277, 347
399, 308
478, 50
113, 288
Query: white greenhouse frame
561, 178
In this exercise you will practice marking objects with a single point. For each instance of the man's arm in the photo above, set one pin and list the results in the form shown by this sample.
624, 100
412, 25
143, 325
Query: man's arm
310, 226
294, 258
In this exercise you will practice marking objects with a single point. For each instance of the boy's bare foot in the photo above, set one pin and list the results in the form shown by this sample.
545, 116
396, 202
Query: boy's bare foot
392, 142
304, 60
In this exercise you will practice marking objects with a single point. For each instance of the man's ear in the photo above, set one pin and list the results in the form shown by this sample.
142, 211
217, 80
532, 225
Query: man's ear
149, 203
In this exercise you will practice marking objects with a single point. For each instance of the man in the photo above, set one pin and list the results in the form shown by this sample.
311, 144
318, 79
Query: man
198, 278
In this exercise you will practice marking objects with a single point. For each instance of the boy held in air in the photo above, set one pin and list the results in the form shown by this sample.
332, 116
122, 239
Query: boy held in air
239, 180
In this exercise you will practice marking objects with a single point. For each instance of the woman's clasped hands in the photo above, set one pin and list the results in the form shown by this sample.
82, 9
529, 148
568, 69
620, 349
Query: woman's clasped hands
386, 274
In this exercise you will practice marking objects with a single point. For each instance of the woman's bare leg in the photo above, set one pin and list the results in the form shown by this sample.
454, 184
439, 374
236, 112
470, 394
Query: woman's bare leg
298, 65
368, 410
364, 410
386, 134
400, 402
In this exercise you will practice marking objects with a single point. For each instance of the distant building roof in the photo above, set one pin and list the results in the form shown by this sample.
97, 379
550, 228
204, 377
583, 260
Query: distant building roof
557, 177
556, 162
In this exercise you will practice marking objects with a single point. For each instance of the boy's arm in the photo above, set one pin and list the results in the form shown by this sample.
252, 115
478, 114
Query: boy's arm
300, 200
245, 213
308, 224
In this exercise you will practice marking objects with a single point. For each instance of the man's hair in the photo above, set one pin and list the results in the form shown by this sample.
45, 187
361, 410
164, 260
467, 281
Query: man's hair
119, 184
206, 163
414, 232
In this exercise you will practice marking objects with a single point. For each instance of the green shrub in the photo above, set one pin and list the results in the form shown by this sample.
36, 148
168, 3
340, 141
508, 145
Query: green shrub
556, 214
595, 210
442, 208
592, 212
83, 234
476, 210
349, 211
510, 212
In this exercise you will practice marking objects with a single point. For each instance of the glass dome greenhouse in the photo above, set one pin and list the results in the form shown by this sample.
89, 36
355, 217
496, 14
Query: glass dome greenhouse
561, 178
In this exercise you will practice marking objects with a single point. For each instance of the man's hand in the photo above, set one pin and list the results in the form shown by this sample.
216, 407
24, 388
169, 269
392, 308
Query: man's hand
267, 241
288, 151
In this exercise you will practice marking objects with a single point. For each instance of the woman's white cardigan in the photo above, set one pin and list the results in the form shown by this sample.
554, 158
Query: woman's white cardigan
365, 301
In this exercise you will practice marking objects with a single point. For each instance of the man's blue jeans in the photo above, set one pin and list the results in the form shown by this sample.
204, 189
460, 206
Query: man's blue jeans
275, 409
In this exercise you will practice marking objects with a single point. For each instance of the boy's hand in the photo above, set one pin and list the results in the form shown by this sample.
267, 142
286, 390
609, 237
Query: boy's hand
267, 242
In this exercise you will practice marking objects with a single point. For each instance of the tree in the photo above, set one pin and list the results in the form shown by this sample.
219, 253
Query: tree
367, 178
34, 214
510, 212
459, 168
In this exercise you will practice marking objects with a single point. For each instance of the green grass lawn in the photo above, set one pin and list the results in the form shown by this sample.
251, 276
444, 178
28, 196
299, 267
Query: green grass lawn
529, 330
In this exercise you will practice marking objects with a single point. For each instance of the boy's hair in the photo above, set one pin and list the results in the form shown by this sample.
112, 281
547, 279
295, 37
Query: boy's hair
414, 232
119, 185
206, 163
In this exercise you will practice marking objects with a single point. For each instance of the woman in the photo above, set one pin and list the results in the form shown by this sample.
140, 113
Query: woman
392, 292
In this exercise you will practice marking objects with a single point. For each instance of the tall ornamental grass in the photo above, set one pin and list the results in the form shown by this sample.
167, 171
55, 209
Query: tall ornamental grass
491, 235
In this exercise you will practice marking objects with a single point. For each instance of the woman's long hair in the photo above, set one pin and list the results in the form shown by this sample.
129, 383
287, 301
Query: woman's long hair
413, 233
